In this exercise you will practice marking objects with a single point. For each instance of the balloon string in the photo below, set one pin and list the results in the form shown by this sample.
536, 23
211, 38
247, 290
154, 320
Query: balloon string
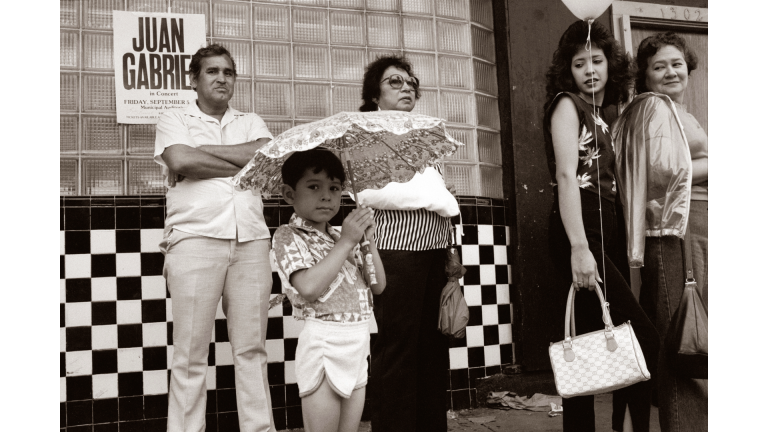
597, 149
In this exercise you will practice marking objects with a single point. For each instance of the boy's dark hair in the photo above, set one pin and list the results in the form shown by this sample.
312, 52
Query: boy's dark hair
317, 160
374, 74
212, 50
650, 46
560, 77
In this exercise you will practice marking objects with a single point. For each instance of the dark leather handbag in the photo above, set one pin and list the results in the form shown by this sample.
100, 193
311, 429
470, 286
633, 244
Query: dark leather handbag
686, 340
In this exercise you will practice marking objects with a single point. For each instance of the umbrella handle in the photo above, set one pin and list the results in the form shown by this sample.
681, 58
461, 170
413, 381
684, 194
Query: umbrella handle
365, 247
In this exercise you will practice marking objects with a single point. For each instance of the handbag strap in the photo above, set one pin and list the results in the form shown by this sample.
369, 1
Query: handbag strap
687, 253
570, 312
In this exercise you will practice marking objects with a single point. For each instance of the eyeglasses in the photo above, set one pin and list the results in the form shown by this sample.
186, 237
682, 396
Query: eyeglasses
396, 81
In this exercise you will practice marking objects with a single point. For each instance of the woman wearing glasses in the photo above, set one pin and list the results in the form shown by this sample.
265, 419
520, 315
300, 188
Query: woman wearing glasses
409, 359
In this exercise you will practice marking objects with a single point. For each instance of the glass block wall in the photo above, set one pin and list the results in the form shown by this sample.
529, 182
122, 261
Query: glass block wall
297, 61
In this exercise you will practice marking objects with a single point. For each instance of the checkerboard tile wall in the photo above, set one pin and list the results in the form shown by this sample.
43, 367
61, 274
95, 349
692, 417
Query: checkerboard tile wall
116, 326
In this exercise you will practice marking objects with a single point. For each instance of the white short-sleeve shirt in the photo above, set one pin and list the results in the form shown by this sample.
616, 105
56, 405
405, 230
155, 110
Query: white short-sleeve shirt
211, 207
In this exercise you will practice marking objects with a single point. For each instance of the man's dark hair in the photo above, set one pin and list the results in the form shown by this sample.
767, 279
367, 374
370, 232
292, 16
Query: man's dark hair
212, 50
317, 160
650, 46
560, 77
374, 74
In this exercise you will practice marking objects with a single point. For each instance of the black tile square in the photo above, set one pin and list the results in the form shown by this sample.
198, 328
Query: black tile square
154, 358
127, 240
505, 314
102, 218
500, 235
454, 342
129, 335
338, 218
77, 218
228, 422
448, 401
292, 395
104, 361
486, 254
506, 353
103, 265
468, 214
277, 394
77, 242
127, 218
287, 309
289, 348
152, 263
77, 290
130, 384
129, 288
153, 311
62, 315
132, 426
469, 236
106, 427
294, 417
153, 201
225, 376
211, 422
475, 315
62, 365
460, 399
226, 400
271, 216
78, 338
170, 333
79, 413
484, 215
103, 313
79, 388
156, 425
488, 294
277, 286
276, 373
492, 370
61, 219
152, 218
105, 410
275, 328
459, 379
102, 201
285, 214
86, 428
210, 403
473, 398
212, 354
502, 274
278, 414
476, 374
472, 276
498, 216
491, 335
476, 356
220, 330
366, 417
62, 267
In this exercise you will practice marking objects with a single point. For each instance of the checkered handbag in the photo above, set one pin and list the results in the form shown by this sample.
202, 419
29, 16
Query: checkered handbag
596, 362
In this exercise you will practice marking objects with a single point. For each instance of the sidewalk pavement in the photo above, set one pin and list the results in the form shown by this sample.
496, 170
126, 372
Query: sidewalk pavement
488, 419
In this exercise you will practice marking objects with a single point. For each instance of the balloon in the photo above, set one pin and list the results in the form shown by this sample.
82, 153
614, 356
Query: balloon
587, 9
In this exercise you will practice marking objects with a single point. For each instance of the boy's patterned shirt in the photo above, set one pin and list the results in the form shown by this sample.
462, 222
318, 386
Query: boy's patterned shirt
298, 246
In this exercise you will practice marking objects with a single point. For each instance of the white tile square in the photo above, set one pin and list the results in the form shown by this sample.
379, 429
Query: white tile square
154, 334
223, 354
168, 310
77, 314
103, 241
62, 389
292, 327
275, 350
77, 266
506, 232
129, 312
79, 363
62, 291
213, 333
485, 234
490, 314
62, 340
473, 295
105, 386
61, 243
210, 378
152, 287
459, 234
276, 311
492, 355
487, 274
104, 289
128, 264
150, 239
129, 360
169, 353
155, 382
502, 294
220, 310
290, 372
373, 326
470, 255
505, 333
458, 358
475, 336
500, 255
104, 337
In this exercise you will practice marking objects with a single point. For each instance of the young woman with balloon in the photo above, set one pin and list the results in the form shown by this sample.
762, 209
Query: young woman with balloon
588, 76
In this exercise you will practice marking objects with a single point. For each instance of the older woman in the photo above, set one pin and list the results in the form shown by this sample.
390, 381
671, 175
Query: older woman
664, 182
409, 360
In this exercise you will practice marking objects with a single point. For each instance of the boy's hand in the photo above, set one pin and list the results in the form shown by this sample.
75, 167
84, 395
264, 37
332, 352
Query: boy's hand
355, 224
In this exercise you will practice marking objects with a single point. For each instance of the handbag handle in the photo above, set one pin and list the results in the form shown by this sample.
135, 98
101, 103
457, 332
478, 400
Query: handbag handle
570, 323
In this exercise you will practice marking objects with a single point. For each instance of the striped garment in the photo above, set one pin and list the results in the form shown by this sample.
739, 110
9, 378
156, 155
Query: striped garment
413, 230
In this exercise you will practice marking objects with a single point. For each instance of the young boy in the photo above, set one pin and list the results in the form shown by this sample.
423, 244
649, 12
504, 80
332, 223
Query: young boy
321, 274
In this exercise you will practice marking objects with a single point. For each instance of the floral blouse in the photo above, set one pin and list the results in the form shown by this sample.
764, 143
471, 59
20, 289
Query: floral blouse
591, 151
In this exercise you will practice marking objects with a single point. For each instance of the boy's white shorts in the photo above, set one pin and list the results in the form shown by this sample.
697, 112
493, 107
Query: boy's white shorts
335, 350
